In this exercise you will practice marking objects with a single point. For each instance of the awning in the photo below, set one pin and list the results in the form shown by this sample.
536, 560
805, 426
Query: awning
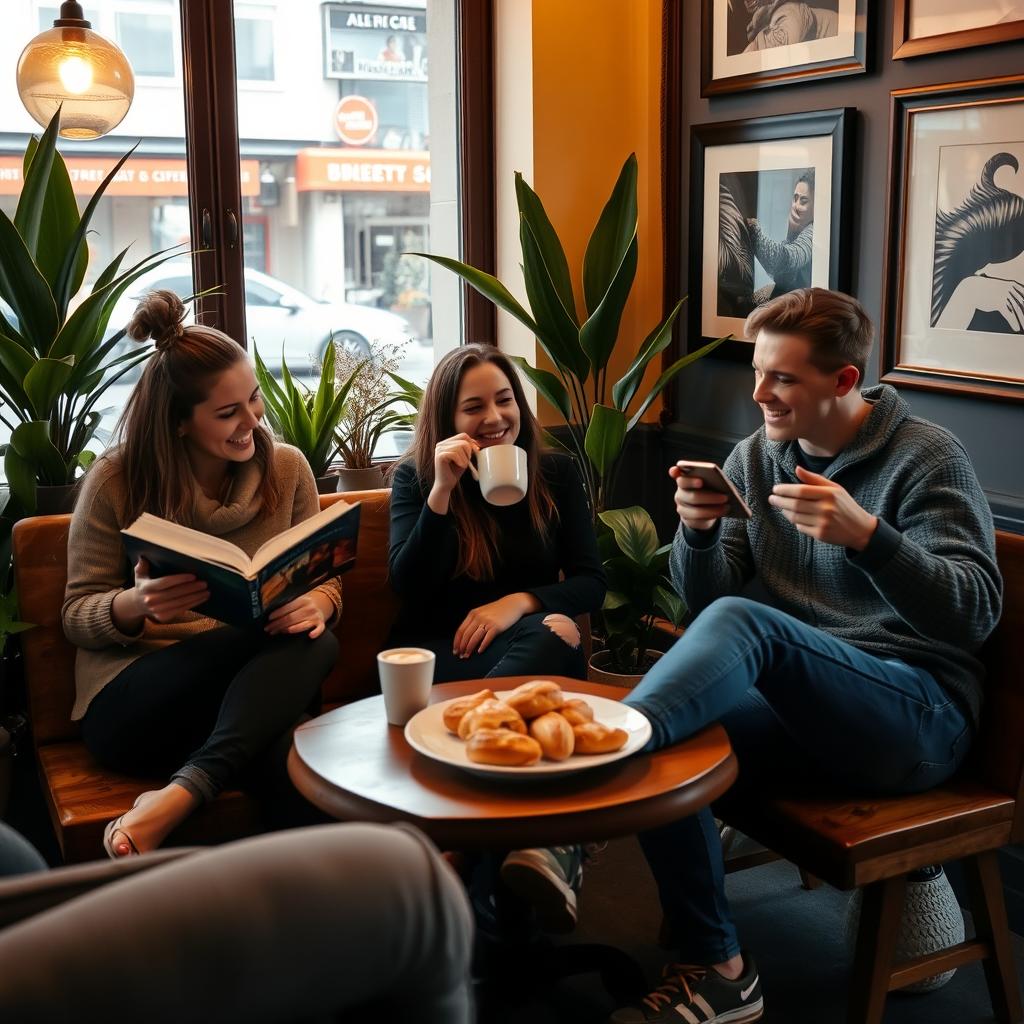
362, 170
140, 176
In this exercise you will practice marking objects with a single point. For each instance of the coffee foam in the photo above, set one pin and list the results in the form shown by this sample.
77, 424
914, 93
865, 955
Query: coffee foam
404, 657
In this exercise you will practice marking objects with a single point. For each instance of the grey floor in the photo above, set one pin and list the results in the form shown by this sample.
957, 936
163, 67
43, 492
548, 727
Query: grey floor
797, 937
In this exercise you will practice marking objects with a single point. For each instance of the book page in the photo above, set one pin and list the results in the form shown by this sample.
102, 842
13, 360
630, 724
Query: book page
296, 534
164, 533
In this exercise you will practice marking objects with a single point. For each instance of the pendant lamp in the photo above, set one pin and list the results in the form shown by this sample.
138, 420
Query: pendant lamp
71, 67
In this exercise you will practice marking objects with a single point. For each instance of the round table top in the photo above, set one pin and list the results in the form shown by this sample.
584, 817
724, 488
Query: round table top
354, 766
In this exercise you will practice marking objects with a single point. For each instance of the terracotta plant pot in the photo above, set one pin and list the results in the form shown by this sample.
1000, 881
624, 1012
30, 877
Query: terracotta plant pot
599, 672
360, 479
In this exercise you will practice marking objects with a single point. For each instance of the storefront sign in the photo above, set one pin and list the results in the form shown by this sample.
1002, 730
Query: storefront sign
362, 170
370, 41
355, 120
139, 176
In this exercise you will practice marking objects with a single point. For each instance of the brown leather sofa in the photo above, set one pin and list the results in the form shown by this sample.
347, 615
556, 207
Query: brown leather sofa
82, 797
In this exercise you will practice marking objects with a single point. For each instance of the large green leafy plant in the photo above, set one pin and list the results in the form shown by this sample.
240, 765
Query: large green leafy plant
55, 362
309, 420
599, 418
639, 588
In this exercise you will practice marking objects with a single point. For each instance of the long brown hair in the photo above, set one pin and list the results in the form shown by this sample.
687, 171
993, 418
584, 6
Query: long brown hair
476, 528
178, 377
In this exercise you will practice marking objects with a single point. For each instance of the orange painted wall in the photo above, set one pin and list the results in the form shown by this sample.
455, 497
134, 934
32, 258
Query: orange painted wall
596, 99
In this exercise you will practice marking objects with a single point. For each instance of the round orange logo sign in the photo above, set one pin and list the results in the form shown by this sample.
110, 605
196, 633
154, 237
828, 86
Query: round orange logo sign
355, 120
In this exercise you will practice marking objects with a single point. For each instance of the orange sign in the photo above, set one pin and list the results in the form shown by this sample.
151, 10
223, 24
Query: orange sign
362, 170
355, 120
139, 176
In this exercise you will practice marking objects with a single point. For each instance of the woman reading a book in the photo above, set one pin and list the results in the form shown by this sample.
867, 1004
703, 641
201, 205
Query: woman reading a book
162, 689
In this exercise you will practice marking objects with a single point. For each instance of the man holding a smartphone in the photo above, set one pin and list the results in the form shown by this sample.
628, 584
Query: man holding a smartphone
874, 548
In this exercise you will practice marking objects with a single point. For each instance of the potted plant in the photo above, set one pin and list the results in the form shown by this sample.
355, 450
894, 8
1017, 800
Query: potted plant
639, 591
581, 347
55, 364
305, 419
370, 413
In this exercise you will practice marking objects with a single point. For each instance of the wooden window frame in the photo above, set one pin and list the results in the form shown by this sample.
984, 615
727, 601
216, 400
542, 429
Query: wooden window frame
212, 153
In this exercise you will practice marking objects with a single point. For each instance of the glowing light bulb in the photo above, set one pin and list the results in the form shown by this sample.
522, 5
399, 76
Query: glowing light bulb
71, 67
75, 75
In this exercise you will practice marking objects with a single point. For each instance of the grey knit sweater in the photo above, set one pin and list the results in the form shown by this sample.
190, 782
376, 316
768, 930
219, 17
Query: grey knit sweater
926, 589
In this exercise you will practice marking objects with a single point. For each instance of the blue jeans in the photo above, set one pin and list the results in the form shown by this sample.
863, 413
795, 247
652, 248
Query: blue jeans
796, 703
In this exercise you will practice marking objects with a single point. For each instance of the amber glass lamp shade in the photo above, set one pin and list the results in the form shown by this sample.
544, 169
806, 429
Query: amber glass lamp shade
78, 70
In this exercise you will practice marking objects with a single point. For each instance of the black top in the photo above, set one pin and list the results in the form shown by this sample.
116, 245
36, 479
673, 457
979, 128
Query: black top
424, 551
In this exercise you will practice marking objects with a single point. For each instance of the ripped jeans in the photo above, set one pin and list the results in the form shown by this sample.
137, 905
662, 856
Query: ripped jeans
533, 646
797, 703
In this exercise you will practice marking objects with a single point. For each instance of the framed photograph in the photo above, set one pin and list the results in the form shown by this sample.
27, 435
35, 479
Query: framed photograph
769, 213
752, 44
933, 26
953, 304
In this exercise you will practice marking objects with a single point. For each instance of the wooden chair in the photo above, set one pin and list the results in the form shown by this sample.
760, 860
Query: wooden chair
81, 796
874, 843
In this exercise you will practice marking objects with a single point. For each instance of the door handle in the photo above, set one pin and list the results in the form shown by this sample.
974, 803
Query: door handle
232, 229
206, 230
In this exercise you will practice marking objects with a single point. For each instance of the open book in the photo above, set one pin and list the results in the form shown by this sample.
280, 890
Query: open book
243, 589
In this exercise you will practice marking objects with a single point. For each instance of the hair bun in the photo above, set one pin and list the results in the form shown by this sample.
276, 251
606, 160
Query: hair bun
159, 316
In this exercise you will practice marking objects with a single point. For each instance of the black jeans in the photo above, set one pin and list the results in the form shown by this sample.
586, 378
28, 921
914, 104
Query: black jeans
215, 710
529, 648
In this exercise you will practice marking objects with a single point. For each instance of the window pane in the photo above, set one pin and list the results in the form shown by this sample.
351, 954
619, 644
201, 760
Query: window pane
145, 209
343, 186
148, 41
254, 49
47, 16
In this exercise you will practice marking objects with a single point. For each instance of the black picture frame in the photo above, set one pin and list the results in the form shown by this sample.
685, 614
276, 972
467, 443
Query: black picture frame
967, 206
826, 132
843, 53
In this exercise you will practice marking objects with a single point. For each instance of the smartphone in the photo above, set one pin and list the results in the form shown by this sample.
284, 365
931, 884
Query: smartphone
716, 480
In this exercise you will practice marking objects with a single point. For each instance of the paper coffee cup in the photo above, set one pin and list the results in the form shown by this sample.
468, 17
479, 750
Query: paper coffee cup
406, 675
501, 471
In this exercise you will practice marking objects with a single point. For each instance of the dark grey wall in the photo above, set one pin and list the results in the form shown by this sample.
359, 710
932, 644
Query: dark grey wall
713, 406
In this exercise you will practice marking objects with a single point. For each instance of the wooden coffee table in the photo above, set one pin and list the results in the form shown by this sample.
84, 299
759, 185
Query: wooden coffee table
355, 767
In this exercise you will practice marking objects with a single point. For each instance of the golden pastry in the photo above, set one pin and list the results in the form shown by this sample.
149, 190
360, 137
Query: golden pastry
502, 746
455, 709
576, 711
597, 738
535, 698
490, 714
554, 734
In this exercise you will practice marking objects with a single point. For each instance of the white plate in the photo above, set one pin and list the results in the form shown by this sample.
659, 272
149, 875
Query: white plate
426, 732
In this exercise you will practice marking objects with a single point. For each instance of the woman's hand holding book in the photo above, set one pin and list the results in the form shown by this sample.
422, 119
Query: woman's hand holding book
161, 599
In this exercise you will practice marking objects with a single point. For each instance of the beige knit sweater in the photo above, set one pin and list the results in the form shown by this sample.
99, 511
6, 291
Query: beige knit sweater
98, 567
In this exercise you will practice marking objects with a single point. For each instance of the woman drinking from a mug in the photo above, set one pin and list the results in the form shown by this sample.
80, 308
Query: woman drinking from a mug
480, 582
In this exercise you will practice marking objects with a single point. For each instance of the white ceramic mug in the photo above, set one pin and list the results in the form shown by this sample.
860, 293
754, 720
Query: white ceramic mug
502, 473
406, 675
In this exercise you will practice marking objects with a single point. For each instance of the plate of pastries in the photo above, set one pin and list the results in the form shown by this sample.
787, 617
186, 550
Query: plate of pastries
537, 729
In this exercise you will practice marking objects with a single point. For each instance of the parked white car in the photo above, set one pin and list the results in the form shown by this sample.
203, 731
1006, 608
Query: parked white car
276, 315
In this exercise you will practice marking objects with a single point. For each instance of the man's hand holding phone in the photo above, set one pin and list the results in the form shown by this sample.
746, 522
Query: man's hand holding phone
704, 494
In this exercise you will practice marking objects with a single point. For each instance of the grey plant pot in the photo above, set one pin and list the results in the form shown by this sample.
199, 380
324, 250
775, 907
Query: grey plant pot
932, 920
327, 484
360, 479
55, 499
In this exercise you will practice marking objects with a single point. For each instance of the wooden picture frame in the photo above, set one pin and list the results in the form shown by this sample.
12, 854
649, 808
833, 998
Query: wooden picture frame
906, 44
742, 49
955, 214
755, 170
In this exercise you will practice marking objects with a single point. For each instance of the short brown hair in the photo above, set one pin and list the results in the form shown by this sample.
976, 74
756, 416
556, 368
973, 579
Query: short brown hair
836, 325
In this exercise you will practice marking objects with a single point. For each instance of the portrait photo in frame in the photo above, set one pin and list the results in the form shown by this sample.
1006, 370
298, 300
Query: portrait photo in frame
934, 26
753, 44
953, 304
769, 213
